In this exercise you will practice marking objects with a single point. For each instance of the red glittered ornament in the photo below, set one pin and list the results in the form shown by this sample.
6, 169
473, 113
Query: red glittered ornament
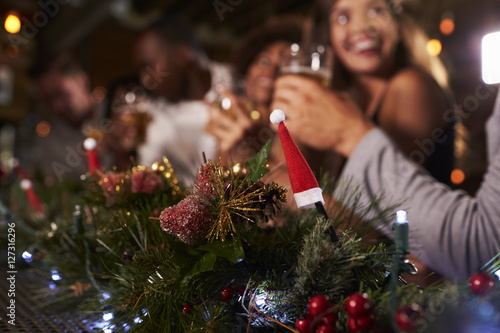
146, 181
318, 304
227, 293
361, 323
407, 317
189, 221
113, 184
481, 283
324, 328
186, 309
303, 325
358, 305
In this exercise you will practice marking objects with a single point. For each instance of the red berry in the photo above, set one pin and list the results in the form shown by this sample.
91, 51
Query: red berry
361, 323
324, 328
357, 305
227, 293
186, 309
318, 304
329, 319
481, 283
352, 324
365, 322
407, 316
303, 325
241, 291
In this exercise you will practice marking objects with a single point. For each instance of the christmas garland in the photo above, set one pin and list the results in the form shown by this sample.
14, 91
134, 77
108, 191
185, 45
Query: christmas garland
151, 256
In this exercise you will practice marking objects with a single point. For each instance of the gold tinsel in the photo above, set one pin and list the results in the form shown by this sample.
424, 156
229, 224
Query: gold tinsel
234, 200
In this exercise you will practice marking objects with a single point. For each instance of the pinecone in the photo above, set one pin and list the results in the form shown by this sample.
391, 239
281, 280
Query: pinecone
270, 202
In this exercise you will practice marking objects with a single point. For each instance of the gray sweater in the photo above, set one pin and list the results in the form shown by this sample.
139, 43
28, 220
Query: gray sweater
454, 233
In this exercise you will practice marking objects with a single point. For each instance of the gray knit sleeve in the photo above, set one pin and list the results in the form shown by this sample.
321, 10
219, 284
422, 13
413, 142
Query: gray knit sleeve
454, 233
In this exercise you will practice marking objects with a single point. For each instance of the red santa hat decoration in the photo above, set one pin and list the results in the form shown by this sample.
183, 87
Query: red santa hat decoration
33, 200
90, 145
306, 190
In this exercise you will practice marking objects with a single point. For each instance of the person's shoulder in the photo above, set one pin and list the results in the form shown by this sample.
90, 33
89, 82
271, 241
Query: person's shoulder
414, 99
412, 85
414, 80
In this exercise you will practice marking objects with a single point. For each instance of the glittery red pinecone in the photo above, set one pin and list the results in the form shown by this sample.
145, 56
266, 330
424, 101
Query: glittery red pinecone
202, 186
189, 221
146, 181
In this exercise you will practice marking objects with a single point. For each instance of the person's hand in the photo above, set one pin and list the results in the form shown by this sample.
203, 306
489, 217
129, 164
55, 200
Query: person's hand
228, 126
318, 117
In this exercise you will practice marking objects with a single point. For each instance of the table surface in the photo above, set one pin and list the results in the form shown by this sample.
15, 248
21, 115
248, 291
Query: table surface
30, 319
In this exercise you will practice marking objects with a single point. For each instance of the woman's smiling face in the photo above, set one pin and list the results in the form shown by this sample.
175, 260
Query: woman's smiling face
364, 35
262, 73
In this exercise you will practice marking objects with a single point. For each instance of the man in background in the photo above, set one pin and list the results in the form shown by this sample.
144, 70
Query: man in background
72, 114
174, 68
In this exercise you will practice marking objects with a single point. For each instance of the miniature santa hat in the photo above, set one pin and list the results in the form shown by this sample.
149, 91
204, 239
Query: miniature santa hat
33, 199
306, 190
90, 144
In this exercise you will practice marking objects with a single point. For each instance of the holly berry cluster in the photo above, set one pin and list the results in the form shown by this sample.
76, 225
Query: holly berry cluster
481, 283
319, 318
359, 308
408, 316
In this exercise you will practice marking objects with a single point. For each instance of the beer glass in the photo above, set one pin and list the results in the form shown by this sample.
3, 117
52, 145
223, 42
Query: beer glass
313, 61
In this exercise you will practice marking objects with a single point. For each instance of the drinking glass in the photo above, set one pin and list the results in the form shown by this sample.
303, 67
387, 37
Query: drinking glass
312, 61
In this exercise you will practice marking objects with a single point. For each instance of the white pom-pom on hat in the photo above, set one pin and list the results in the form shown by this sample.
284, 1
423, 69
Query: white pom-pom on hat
277, 116
25, 184
89, 144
